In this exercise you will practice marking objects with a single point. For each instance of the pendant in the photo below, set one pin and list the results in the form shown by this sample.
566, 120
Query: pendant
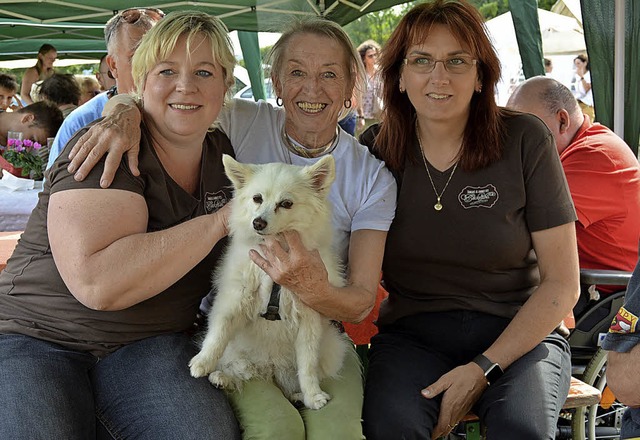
437, 206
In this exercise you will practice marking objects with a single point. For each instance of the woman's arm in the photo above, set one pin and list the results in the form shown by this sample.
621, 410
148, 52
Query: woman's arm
30, 76
304, 273
552, 301
556, 295
118, 133
108, 260
623, 377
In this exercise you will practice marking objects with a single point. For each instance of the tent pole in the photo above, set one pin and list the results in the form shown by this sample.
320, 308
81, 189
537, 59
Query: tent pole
618, 72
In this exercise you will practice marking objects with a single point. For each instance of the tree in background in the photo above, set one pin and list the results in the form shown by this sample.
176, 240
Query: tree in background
378, 26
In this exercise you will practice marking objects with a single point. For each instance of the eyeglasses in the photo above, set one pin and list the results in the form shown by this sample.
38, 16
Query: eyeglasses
456, 64
132, 15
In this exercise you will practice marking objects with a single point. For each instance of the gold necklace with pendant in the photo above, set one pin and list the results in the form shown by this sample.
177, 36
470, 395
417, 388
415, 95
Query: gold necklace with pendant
438, 205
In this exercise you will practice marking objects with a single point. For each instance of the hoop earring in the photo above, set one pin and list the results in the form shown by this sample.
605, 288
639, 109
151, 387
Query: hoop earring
279, 101
347, 101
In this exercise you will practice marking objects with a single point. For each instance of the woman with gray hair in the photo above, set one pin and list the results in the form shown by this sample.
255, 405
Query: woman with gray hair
97, 301
314, 72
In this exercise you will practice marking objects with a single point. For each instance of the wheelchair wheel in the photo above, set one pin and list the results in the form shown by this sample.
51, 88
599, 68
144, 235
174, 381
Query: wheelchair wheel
602, 420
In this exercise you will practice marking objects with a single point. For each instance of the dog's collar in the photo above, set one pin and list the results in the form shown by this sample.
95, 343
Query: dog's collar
274, 304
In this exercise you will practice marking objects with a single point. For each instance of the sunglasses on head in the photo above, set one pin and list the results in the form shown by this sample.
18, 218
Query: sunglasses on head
132, 15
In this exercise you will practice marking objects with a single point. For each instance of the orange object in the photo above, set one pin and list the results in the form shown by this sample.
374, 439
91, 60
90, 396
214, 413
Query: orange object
5, 165
362, 333
8, 241
570, 320
607, 399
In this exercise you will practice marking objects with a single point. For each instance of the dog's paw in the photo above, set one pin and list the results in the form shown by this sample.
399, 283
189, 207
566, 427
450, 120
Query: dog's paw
316, 401
220, 380
200, 366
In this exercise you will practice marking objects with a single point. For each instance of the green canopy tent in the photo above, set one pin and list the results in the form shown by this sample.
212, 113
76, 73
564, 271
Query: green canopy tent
612, 34
72, 25
66, 23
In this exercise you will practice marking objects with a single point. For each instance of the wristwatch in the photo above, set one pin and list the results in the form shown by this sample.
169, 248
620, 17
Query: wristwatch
492, 371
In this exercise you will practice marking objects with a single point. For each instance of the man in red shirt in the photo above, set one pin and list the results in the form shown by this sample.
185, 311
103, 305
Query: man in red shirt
602, 172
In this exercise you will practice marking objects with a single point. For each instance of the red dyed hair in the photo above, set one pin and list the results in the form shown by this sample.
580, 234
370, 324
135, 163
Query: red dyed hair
483, 135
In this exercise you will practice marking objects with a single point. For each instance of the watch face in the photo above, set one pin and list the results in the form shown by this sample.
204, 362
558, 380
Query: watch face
493, 373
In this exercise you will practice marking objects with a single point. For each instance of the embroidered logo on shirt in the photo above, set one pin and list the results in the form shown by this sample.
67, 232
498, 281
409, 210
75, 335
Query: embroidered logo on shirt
478, 196
624, 322
214, 201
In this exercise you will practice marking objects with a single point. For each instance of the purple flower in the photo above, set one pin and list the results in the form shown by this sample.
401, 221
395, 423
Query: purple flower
36, 145
28, 143
11, 142
19, 148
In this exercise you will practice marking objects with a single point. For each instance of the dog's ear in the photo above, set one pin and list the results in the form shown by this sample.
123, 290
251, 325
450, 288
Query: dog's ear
322, 173
236, 172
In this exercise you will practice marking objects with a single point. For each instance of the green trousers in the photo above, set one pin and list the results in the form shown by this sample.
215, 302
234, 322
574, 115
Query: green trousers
264, 413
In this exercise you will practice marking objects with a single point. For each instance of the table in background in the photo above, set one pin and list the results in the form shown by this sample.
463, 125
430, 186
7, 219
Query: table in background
16, 207
8, 242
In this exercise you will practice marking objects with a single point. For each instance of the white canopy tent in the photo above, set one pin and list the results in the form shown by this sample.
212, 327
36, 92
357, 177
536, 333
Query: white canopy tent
562, 39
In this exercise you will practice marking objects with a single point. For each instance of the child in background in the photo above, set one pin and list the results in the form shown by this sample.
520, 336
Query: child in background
8, 90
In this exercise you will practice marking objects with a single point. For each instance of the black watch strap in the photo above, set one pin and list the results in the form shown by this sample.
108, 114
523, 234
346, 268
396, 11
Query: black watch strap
492, 371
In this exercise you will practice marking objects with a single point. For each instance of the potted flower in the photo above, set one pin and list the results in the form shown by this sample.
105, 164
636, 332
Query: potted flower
24, 158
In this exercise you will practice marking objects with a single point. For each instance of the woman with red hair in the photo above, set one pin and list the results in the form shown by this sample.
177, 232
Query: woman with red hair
480, 261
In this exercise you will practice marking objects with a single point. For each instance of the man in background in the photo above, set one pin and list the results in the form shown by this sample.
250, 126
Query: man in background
104, 76
36, 122
122, 34
602, 172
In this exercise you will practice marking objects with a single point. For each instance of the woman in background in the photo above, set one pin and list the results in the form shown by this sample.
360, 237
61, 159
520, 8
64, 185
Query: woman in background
370, 105
42, 70
581, 85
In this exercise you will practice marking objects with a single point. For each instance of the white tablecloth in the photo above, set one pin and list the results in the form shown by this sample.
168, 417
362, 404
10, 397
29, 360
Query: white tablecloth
16, 207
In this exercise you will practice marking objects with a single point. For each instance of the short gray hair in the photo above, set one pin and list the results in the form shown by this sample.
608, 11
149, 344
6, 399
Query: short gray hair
147, 19
555, 96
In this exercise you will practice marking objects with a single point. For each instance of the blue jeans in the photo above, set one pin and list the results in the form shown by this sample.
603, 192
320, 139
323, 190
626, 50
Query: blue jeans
142, 391
348, 123
414, 352
630, 424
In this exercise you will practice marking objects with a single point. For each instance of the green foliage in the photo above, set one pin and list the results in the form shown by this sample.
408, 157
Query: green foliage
379, 25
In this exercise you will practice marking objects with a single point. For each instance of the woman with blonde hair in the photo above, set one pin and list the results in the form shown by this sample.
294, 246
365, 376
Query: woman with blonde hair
98, 301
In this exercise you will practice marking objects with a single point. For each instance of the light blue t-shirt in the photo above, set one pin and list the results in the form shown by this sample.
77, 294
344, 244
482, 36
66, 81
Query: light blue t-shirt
83, 115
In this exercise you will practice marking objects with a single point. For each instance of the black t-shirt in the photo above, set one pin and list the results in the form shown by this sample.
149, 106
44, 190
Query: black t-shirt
33, 297
476, 253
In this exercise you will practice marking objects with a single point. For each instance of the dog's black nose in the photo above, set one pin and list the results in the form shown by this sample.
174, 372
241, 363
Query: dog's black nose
259, 224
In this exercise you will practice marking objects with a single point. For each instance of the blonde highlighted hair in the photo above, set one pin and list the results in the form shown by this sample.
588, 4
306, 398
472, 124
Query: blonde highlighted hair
161, 40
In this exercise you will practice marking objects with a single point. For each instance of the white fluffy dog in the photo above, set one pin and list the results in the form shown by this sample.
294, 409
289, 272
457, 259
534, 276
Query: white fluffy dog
303, 347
